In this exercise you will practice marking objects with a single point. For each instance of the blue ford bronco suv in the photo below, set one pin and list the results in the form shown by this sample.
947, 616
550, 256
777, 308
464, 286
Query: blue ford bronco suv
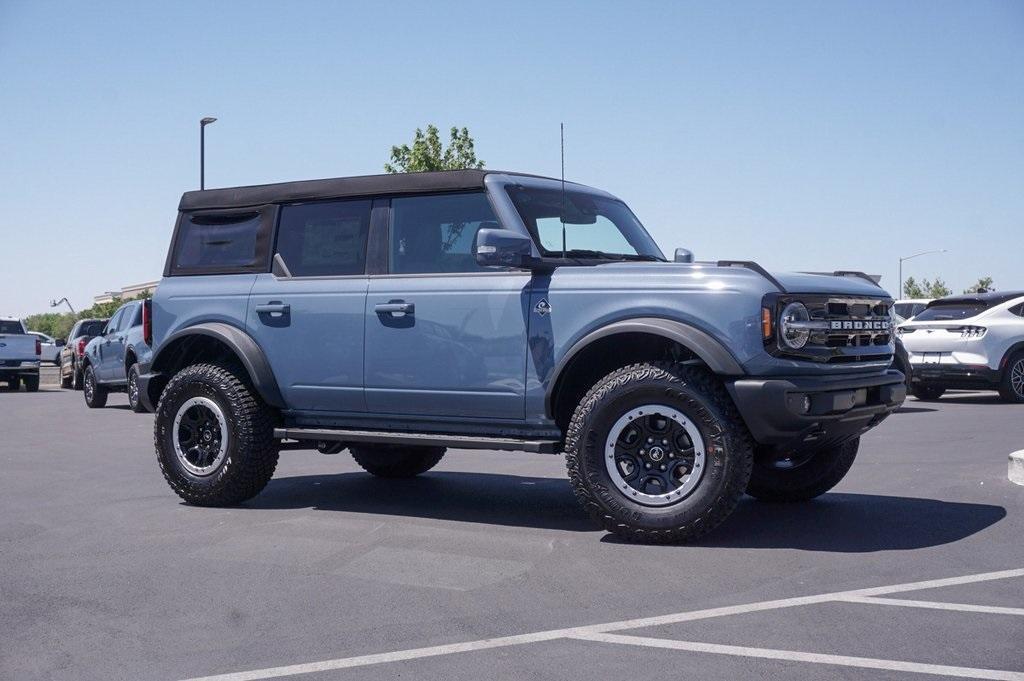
398, 315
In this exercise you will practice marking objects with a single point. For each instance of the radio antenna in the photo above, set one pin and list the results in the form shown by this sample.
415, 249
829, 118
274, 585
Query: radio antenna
561, 130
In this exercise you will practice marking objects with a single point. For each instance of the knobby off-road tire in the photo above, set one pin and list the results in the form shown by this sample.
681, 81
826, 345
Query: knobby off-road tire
132, 388
31, 383
927, 393
189, 406
697, 397
95, 394
803, 479
1011, 387
396, 461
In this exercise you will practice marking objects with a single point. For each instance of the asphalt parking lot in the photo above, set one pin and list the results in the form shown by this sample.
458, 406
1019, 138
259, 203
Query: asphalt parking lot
486, 568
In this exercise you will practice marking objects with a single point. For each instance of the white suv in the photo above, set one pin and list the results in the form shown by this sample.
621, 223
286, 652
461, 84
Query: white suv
971, 341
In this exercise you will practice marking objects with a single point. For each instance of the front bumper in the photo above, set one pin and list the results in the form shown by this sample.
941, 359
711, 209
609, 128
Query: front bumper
804, 412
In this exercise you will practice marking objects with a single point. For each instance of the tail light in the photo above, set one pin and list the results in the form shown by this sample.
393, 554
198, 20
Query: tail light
968, 332
39, 347
147, 321
80, 350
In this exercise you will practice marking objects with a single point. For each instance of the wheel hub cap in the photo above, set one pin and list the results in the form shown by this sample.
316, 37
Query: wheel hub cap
655, 455
200, 435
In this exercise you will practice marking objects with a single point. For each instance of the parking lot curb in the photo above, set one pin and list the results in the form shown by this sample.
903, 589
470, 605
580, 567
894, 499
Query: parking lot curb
1016, 467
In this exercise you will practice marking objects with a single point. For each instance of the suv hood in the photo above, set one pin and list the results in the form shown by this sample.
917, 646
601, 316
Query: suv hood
803, 282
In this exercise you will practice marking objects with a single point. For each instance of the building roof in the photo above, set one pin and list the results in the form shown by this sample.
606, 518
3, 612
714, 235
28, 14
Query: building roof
339, 187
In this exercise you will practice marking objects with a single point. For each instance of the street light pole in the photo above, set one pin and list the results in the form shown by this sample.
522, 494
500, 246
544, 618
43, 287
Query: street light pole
202, 149
909, 257
55, 303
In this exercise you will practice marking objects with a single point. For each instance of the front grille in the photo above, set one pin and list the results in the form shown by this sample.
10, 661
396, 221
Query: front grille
845, 330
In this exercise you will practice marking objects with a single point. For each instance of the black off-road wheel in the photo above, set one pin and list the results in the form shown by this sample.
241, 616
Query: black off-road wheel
31, 383
927, 393
802, 477
396, 461
214, 436
657, 453
94, 393
1011, 387
132, 388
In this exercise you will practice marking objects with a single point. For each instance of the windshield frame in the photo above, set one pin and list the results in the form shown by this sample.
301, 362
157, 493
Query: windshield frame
647, 250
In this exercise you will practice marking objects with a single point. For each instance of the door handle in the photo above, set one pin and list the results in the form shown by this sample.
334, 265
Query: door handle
391, 308
273, 308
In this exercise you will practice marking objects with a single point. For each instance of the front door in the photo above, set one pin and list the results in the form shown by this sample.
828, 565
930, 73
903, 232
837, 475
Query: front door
308, 314
445, 337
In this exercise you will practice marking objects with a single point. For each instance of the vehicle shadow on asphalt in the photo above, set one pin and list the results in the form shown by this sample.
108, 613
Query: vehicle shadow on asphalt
837, 522
852, 523
488, 498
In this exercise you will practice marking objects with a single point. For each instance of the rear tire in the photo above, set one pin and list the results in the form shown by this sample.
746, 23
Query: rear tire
94, 393
806, 480
132, 388
927, 393
214, 436
77, 380
31, 383
396, 461
14, 385
1011, 387
65, 381
657, 453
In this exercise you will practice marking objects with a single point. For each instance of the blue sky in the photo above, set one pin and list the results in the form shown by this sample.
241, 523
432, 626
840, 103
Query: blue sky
806, 136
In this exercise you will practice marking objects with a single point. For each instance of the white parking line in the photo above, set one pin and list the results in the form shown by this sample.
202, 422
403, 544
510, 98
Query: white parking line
936, 605
798, 656
596, 629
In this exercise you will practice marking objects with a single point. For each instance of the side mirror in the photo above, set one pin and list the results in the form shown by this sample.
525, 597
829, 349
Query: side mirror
683, 255
60, 342
503, 248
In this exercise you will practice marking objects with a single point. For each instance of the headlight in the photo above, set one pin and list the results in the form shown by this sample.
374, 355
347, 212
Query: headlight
793, 326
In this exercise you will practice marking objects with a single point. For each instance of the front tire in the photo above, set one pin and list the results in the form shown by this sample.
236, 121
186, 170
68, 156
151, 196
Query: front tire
94, 393
802, 479
214, 436
657, 453
927, 393
396, 461
1011, 387
132, 388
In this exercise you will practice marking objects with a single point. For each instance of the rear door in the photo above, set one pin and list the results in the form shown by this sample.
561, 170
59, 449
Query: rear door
307, 314
444, 336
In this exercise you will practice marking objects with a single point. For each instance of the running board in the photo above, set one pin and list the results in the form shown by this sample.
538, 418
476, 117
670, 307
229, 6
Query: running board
426, 439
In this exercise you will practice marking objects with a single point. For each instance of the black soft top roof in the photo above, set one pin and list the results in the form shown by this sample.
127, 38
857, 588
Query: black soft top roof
990, 299
365, 185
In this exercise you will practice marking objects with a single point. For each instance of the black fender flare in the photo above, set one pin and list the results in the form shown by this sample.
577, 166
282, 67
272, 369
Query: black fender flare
248, 351
700, 343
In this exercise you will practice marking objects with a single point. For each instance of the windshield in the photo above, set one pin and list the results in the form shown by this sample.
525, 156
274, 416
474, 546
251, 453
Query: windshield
595, 226
951, 311
91, 328
9, 327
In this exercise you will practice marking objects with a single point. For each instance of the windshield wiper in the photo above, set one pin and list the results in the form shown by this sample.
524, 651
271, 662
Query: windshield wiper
587, 253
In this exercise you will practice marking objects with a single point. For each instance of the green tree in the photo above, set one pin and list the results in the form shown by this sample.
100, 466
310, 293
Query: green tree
911, 289
428, 153
58, 324
984, 284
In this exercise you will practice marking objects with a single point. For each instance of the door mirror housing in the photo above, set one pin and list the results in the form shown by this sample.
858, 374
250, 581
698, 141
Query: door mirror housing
60, 342
503, 248
682, 255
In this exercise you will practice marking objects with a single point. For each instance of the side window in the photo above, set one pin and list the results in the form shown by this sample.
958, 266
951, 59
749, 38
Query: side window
437, 233
324, 239
112, 325
220, 244
133, 317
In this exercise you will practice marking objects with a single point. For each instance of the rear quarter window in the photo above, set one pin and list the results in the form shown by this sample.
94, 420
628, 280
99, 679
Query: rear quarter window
221, 243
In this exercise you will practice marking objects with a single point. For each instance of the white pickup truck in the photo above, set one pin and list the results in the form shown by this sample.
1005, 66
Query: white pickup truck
19, 356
